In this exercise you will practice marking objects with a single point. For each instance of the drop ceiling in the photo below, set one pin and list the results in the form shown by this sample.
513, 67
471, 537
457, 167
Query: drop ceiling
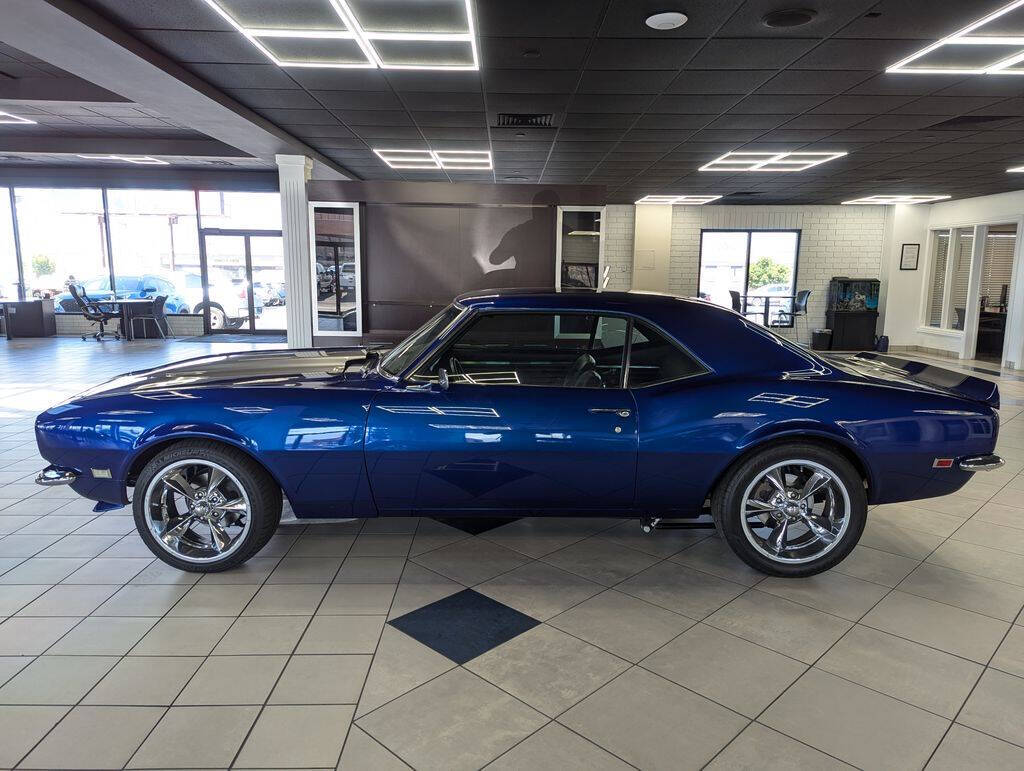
638, 110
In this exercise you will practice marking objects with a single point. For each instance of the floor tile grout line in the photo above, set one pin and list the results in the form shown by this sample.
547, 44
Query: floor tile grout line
188, 680
373, 658
298, 642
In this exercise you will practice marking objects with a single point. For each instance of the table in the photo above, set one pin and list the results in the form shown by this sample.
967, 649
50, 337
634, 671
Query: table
766, 312
28, 318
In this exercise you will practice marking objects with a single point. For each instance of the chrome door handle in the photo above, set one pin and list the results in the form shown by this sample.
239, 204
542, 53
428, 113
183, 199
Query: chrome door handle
621, 412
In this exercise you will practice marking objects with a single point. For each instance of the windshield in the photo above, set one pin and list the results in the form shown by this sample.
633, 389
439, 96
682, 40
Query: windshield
409, 349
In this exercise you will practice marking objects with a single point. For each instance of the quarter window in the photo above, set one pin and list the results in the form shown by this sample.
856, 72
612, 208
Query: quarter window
653, 358
567, 350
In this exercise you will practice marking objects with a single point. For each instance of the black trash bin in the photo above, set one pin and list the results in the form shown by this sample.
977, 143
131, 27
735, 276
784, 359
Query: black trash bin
821, 340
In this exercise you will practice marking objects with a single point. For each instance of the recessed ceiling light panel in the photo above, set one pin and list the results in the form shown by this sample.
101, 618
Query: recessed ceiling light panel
883, 200
397, 35
1016, 170
683, 200
751, 161
6, 117
450, 160
991, 45
141, 160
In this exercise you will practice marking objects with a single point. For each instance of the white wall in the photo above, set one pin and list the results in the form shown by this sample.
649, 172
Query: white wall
912, 224
834, 241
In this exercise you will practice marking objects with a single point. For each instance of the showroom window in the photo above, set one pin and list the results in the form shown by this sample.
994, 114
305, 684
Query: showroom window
9, 282
528, 349
751, 271
950, 271
232, 210
63, 239
155, 246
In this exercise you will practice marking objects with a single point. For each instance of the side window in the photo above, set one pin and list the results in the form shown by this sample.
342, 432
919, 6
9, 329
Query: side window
535, 349
653, 358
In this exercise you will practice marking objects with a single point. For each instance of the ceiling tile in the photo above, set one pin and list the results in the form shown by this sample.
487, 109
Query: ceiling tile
746, 54
719, 81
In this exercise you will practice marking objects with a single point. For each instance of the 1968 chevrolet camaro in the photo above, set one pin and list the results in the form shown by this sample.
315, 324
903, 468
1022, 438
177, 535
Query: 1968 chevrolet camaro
513, 403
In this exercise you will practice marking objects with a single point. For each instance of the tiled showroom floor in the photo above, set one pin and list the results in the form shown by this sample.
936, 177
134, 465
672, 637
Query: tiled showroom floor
532, 644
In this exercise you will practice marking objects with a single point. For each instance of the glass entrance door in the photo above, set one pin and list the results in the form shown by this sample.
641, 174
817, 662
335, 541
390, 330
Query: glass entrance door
243, 287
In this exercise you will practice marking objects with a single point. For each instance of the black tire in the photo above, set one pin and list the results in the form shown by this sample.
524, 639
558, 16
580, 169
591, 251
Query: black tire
727, 506
263, 492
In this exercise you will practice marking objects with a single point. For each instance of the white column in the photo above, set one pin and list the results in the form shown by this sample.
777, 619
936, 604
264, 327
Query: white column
293, 171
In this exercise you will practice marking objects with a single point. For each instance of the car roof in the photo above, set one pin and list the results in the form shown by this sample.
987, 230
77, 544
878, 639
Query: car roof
574, 298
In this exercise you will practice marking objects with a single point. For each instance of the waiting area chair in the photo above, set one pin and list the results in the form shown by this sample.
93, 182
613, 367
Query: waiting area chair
94, 313
157, 316
799, 309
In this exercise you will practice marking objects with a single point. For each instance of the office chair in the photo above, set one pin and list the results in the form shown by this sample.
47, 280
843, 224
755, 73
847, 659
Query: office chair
157, 316
95, 314
736, 305
961, 318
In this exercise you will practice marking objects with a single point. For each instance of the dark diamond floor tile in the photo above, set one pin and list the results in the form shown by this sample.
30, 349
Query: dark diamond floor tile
464, 625
475, 525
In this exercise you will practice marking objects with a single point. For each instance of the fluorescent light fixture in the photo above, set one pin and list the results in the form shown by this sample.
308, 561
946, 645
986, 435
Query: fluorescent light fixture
883, 200
1016, 170
387, 57
141, 160
450, 160
686, 200
6, 117
1004, 52
751, 161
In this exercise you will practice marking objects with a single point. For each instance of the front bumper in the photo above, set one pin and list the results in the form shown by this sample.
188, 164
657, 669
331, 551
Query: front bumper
56, 475
981, 463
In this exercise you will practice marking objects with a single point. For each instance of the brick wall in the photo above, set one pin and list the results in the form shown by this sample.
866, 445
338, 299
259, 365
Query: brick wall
618, 246
834, 241
181, 325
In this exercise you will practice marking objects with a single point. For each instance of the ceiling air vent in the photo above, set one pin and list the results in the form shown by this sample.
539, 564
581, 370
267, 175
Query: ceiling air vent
525, 119
742, 193
970, 121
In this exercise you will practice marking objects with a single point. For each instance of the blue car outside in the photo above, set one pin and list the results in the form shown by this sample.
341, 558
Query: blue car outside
128, 288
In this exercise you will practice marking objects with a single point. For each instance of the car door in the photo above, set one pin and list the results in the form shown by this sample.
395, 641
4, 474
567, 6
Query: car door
534, 419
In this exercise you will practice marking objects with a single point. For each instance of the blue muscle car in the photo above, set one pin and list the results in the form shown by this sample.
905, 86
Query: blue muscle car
530, 403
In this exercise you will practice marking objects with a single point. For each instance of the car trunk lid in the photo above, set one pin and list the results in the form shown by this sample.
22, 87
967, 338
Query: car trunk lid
899, 371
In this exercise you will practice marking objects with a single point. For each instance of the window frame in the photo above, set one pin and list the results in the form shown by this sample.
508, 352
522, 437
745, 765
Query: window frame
746, 269
450, 336
357, 250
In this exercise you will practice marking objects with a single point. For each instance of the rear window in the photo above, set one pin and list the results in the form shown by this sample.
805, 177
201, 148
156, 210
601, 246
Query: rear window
654, 358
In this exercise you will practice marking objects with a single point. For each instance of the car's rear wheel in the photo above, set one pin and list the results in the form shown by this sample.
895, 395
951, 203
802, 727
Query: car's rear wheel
204, 507
793, 509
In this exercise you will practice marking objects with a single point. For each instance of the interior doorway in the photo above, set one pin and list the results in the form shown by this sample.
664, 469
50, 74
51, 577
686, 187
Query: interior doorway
243, 287
995, 291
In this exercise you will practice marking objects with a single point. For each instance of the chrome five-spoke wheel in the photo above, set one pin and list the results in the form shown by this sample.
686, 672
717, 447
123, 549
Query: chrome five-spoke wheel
792, 509
795, 511
197, 510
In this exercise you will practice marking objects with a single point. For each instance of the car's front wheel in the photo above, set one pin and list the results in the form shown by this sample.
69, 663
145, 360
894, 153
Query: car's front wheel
205, 507
793, 509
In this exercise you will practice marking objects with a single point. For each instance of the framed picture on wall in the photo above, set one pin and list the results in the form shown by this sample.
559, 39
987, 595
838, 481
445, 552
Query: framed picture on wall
909, 256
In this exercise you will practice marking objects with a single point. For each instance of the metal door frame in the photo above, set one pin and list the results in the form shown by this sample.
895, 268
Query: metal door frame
246, 235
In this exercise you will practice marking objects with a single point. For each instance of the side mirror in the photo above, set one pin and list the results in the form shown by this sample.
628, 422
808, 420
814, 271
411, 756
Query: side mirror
442, 378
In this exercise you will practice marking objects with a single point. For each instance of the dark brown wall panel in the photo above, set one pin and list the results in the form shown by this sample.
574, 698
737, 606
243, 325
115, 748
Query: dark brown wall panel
418, 257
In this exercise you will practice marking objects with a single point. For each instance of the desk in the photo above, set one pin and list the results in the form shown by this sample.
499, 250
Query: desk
128, 309
991, 331
28, 318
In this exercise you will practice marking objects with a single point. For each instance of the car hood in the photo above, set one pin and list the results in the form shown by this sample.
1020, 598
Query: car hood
893, 370
247, 369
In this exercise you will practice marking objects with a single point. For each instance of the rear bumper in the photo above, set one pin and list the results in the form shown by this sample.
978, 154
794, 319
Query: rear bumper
981, 463
56, 475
